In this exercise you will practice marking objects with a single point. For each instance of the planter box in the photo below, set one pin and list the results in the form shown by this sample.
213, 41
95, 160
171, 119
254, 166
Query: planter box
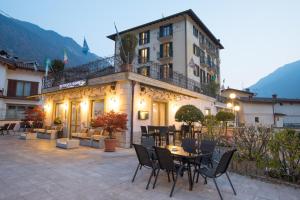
28, 136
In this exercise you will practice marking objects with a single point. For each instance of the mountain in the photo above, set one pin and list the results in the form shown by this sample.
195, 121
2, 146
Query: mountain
30, 42
284, 82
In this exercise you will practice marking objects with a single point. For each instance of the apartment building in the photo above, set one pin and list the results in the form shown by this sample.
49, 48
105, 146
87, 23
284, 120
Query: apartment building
166, 73
18, 80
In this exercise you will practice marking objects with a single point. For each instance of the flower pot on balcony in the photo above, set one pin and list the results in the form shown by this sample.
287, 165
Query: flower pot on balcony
110, 145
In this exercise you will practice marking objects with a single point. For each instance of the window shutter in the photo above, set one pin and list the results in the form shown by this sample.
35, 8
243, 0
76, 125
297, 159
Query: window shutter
171, 49
140, 55
34, 88
161, 51
171, 29
148, 54
170, 70
140, 38
148, 36
11, 88
161, 31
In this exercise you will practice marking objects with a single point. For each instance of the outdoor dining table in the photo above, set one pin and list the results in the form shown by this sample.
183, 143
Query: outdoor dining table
180, 153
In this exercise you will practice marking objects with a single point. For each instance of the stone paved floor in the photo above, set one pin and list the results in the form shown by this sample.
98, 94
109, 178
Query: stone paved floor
36, 170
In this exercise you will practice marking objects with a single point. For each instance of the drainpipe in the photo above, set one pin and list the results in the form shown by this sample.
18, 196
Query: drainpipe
132, 108
274, 96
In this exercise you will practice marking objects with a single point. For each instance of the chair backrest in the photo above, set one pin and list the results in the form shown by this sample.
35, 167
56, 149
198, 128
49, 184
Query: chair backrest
22, 124
185, 128
189, 145
163, 130
151, 129
224, 162
165, 159
143, 155
208, 146
144, 130
172, 128
148, 142
12, 126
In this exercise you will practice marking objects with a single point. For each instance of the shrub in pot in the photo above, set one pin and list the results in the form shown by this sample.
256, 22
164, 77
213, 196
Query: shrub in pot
35, 115
111, 122
189, 114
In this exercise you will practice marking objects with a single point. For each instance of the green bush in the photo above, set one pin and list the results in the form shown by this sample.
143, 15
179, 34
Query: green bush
284, 159
224, 116
189, 114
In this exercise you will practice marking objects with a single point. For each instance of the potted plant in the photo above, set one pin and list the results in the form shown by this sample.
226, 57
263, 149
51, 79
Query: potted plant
111, 122
35, 115
189, 114
57, 121
127, 50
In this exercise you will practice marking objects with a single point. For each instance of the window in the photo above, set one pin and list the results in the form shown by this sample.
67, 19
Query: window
209, 60
145, 70
16, 111
144, 38
207, 111
16, 88
196, 50
166, 71
144, 55
166, 50
256, 119
97, 108
166, 30
202, 57
195, 31
196, 70
60, 111
23, 88
201, 38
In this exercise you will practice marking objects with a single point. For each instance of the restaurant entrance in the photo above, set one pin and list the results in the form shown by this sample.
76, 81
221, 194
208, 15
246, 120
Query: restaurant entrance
159, 113
75, 117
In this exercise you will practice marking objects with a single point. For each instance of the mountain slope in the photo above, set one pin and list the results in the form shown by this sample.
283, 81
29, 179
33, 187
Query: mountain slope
284, 82
30, 42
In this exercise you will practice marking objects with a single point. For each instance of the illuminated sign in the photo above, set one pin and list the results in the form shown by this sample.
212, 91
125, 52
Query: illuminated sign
72, 84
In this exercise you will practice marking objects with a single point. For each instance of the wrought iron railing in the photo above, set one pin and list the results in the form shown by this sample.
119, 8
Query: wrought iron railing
111, 65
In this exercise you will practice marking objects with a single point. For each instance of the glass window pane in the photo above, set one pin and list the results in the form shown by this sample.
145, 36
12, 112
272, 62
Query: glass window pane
97, 108
27, 87
19, 91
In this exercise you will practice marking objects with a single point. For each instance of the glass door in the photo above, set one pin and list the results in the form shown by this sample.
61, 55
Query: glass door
159, 114
75, 117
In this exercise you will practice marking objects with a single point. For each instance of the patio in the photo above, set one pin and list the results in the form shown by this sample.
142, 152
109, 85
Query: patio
36, 169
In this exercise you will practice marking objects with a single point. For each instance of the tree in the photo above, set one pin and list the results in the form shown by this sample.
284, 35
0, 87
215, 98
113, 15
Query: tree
57, 65
127, 50
224, 116
111, 122
189, 114
36, 115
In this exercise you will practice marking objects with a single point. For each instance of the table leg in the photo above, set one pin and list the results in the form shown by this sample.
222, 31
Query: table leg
190, 177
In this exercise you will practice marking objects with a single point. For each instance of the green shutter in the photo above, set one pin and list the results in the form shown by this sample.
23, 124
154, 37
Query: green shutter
161, 31
171, 49
171, 29
161, 51
148, 54
148, 36
140, 38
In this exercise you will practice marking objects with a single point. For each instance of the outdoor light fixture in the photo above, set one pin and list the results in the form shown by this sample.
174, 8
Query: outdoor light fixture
229, 105
47, 107
66, 106
232, 96
113, 87
236, 108
113, 103
84, 105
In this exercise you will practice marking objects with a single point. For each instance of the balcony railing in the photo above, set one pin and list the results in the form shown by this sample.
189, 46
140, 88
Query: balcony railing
108, 66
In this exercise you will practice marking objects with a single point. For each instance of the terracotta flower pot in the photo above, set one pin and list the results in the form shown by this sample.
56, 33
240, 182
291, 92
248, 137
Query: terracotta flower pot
110, 145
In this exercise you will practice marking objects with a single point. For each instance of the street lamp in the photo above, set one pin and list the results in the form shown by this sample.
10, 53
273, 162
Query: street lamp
233, 106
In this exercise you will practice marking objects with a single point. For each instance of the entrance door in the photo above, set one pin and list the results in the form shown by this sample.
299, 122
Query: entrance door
75, 117
159, 114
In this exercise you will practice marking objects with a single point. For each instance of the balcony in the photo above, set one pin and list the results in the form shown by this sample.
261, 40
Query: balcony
112, 65
164, 38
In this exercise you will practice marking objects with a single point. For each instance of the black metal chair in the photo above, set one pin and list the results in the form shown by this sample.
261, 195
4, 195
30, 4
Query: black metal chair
166, 163
207, 149
11, 127
189, 145
4, 128
152, 131
144, 131
144, 161
172, 132
149, 143
163, 135
218, 171
185, 131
